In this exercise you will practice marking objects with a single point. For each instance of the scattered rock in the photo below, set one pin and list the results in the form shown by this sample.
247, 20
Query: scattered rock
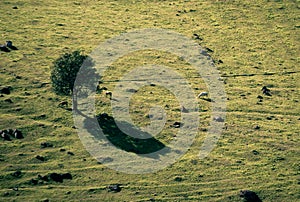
6, 90
41, 158
70, 153
46, 144
8, 100
67, 176
114, 188
4, 48
257, 127
63, 104
197, 37
209, 50
202, 94
266, 91
131, 90
11, 133
18, 134
14, 7
5, 136
56, 177
33, 182
9, 44
176, 124
255, 152
43, 178
62, 150
178, 179
218, 119
249, 196
59, 177
17, 173
184, 110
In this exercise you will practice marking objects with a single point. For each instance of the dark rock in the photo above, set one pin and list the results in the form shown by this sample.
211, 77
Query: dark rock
249, 196
197, 37
10, 45
43, 178
33, 181
17, 173
41, 158
209, 50
8, 100
5, 135
15, 188
15, 7
56, 177
18, 134
46, 144
218, 119
5, 90
257, 127
4, 48
178, 179
266, 91
67, 176
114, 188
62, 150
176, 124
131, 90
184, 110
70, 153
63, 104
10, 131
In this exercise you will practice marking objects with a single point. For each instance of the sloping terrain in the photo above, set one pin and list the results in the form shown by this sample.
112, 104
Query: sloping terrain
253, 44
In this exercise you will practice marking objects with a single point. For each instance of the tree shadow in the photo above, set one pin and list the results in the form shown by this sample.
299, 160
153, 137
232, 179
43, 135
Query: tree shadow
121, 140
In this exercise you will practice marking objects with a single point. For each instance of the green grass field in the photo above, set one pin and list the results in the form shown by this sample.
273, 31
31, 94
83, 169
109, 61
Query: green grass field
258, 42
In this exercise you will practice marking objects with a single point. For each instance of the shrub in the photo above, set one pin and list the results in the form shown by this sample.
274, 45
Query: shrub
64, 72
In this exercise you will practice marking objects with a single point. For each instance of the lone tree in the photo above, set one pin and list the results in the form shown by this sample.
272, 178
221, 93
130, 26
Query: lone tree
64, 72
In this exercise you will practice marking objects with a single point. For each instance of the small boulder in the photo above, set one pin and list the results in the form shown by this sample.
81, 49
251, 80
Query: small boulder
17, 173
5, 135
218, 119
114, 188
56, 177
176, 124
46, 144
6, 90
249, 196
17, 134
41, 158
257, 127
67, 176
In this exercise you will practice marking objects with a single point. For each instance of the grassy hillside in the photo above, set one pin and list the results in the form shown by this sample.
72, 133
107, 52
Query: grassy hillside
258, 44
